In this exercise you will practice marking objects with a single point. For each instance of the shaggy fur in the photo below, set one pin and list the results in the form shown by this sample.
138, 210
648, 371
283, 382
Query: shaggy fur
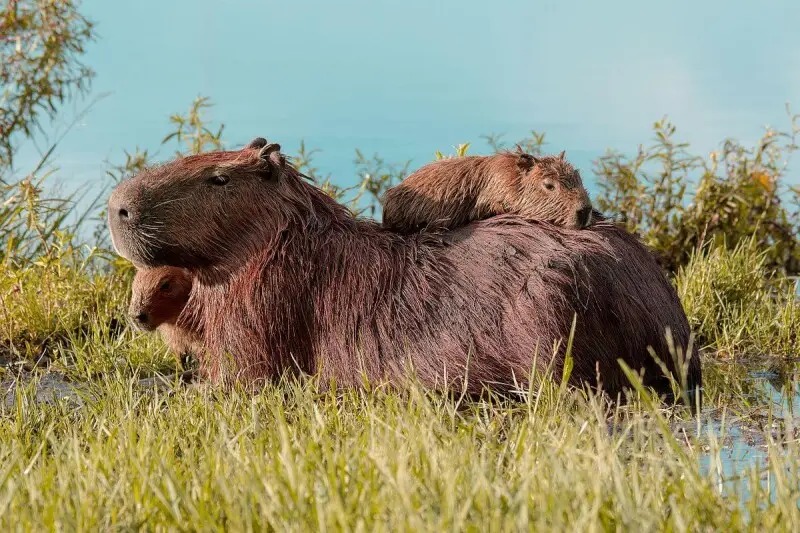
452, 192
158, 296
287, 280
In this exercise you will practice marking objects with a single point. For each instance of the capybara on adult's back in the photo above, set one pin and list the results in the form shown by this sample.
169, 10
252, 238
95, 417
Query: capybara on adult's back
452, 192
287, 279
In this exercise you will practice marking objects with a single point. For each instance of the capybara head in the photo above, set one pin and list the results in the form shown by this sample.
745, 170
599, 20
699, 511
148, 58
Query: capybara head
158, 296
551, 190
200, 211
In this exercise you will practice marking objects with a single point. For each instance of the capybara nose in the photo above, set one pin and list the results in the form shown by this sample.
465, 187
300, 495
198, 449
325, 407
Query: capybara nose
584, 217
119, 210
122, 213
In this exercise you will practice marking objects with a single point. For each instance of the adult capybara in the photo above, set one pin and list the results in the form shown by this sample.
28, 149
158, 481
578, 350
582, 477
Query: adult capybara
286, 279
449, 193
158, 296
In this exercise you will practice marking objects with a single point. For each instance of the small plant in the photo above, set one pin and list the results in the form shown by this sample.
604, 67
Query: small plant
531, 145
192, 130
29, 219
376, 177
461, 151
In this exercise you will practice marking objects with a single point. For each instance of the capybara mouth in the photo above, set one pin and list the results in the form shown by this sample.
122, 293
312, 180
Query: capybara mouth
583, 218
145, 247
141, 248
127, 245
145, 328
141, 322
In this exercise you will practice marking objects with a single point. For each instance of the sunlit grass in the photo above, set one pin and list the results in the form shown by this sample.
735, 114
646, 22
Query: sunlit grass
63, 310
736, 306
291, 458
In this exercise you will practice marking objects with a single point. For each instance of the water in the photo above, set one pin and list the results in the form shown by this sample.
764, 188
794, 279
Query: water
51, 387
757, 406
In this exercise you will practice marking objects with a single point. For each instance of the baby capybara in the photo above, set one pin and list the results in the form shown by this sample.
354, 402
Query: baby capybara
449, 193
287, 280
158, 297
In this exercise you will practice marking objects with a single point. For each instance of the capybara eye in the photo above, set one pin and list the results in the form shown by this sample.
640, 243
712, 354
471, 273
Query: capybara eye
164, 286
549, 185
219, 179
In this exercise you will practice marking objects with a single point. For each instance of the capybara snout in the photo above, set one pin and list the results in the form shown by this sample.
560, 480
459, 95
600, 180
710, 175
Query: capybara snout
141, 320
119, 216
118, 212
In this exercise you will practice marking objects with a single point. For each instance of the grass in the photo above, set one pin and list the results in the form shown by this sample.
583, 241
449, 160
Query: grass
294, 459
736, 306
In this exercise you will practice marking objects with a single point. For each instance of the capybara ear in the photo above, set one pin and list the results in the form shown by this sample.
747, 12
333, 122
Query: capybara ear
525, 162
278, 160
267, 149
258, 142
272, 154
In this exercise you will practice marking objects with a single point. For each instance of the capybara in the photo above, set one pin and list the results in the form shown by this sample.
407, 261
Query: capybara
287, 279
449, 193
158, 296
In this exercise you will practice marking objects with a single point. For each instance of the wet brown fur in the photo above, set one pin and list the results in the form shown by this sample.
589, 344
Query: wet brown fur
287, 280
158, 296
449, 193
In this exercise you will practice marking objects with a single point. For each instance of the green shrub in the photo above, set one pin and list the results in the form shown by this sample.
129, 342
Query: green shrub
41, 47
677, 201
